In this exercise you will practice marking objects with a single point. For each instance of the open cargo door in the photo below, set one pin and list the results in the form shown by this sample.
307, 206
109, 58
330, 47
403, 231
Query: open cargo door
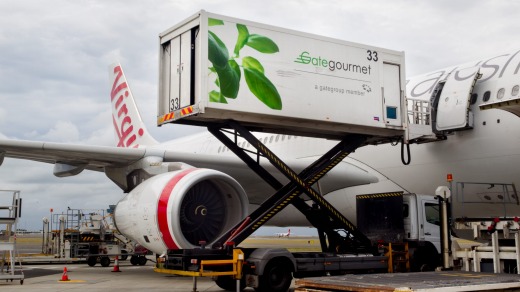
178, 67
451, 102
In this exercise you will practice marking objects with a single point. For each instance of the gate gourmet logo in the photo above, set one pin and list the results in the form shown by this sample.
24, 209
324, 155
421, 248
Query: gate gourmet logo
306, 58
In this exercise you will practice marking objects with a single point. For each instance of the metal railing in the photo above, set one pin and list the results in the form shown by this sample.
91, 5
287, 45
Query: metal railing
419, 112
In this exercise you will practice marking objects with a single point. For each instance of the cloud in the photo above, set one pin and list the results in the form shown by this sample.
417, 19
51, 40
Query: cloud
54, 56
62, 132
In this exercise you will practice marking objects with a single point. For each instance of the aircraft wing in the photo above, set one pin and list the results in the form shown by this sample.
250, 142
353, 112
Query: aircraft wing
96, 157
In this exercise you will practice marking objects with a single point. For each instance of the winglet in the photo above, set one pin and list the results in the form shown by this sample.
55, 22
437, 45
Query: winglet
129, 127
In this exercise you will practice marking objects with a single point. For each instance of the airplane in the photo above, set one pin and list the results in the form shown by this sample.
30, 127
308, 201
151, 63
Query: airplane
284, 234
167, 205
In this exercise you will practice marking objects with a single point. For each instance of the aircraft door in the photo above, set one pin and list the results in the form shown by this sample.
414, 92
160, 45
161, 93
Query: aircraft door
453, 101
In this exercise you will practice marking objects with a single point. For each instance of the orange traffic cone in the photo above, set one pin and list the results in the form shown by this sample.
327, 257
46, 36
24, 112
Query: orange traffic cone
116, 266
64, 276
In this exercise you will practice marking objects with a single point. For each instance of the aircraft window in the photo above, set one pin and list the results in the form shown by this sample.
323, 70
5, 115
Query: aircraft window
271, 139
487, 95
289, 137
265, 140
219, 149
277, 138
432, 213
515, 90
501, 93
474, 98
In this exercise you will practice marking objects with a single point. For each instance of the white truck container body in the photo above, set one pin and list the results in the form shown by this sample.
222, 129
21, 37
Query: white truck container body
213, 68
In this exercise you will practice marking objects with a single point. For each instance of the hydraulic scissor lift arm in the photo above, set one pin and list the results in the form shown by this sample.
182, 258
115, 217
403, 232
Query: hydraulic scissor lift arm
327, 219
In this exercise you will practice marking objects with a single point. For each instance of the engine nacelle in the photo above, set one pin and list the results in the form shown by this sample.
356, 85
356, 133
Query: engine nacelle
180, 208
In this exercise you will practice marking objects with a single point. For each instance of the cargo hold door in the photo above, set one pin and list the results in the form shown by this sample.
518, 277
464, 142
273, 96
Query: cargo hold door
452, 102
177, 72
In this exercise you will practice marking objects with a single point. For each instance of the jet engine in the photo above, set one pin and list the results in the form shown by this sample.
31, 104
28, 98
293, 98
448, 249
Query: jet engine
181, 208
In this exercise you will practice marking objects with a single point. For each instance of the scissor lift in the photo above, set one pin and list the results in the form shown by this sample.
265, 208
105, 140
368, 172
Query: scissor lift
344, 247
336, 232
9, 214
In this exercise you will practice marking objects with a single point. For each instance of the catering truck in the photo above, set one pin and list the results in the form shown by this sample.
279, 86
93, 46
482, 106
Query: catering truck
235, 76
231, 74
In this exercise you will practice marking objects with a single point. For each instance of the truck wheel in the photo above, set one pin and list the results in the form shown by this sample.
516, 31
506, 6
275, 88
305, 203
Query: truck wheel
91, 261
142, 260
134, 260
424, 259
229, 284
104, 261
276, 278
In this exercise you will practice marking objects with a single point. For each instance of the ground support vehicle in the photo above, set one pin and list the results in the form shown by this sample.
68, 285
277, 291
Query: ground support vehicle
10, 211
86, 235
368, 88
300, 84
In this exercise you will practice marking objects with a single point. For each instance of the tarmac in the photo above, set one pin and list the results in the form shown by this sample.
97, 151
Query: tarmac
46, 277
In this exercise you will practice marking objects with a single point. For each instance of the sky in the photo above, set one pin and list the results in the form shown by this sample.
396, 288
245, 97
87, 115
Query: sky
54, 58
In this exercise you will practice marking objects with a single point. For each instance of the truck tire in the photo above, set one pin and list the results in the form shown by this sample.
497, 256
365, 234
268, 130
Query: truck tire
425, 259
104, 261
276, 278
134, 260
229, 284
91, 261
142, 260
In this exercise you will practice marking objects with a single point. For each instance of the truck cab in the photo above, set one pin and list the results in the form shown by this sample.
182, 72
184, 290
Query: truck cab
422, 226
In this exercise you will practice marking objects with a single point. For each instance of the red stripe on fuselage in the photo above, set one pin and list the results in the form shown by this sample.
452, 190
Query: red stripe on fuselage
162, 209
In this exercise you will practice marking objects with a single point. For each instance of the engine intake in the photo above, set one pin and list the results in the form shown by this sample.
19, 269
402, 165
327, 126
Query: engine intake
181, 208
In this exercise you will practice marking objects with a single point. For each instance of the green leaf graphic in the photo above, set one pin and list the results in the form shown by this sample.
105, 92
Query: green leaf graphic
252, 63
263, 88
243, 35
217, 51
229, 79
215, 96
213, 22
262, 44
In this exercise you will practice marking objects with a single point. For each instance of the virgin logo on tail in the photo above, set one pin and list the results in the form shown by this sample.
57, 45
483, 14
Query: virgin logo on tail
122, 120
